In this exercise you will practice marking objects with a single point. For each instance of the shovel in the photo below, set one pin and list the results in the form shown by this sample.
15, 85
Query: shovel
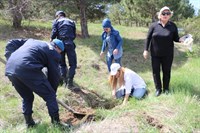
77, 114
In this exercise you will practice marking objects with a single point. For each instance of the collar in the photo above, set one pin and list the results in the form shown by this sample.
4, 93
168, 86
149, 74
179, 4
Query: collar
168, 23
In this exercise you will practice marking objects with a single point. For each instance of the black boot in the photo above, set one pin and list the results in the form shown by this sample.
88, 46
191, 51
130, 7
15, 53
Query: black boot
70, 84
29, 121
55, 120
158, 92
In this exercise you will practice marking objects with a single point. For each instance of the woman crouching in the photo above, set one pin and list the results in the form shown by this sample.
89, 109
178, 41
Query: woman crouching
129, 82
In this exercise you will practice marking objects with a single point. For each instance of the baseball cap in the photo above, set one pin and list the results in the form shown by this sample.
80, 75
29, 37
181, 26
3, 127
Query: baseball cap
59, 43
114, 68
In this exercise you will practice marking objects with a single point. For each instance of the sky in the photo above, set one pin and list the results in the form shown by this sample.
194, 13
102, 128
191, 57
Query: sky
196, 4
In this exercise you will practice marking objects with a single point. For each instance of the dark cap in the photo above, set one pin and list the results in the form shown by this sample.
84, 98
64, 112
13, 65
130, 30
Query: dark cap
60, 13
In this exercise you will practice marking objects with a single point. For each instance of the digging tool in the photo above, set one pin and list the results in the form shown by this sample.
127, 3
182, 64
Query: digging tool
77, 114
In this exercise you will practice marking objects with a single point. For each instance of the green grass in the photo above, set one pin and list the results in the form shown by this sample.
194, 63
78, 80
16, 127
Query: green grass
176, 112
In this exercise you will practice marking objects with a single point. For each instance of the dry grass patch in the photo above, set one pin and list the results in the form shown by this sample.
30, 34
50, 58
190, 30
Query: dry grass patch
124, 123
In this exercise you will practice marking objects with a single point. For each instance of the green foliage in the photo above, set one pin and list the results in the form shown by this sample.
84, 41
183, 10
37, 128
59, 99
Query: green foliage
116, 13
191, 26
144, 12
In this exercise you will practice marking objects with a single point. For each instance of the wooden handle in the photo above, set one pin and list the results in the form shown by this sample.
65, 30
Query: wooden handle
65, 106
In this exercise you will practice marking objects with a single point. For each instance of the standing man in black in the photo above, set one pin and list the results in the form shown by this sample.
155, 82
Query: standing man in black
65, 30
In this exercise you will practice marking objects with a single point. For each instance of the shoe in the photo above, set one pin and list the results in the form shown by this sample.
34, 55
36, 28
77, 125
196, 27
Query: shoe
158, 92
166, 91
29, 121
70, 84
55, 120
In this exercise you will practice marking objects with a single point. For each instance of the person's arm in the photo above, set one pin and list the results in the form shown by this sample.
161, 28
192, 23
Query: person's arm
128, 86
176, 37
54, 30
103, 45
114, 93
74, 30
125, 99
148, 41
53, 69
119, 40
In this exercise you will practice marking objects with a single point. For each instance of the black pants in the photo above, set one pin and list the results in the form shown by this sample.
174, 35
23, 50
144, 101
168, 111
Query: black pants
26, 87
164, 62
72, 60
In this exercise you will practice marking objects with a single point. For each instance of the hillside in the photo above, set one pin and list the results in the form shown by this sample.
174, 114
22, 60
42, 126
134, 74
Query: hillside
176, 112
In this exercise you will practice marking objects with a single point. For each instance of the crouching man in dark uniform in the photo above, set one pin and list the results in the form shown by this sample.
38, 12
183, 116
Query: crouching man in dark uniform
23, 69
65, 30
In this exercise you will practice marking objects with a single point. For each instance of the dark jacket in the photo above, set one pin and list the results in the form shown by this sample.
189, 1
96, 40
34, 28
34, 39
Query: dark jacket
161, 39
13, 45
28, 61
64, 29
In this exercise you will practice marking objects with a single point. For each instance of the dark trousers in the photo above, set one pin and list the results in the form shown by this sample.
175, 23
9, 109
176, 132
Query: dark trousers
110, 59
26, 87
164, 62
71, 55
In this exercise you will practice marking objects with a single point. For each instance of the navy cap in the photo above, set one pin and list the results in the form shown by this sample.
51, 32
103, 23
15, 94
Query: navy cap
60, 13
59, 43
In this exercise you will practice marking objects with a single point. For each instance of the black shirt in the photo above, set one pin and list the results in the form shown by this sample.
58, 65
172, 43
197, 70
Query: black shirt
161, 39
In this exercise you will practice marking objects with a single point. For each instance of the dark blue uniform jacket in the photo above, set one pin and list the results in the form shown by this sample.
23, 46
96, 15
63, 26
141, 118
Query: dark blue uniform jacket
13, 45
64, 29
28, 60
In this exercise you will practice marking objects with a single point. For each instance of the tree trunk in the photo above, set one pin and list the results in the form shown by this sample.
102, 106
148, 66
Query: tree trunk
14, 6
119, 21
83, 19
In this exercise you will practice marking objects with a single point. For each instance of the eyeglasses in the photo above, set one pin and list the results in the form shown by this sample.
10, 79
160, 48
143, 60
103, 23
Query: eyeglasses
166, 13
106, 29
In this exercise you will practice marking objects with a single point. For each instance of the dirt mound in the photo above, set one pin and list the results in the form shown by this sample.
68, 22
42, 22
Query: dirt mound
85, 102
73, 119
156, 123
88, 98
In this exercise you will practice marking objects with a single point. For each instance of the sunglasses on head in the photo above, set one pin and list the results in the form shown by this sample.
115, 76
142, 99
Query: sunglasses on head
166, 13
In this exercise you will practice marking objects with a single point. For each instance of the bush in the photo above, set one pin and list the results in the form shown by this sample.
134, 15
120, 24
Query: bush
192, 26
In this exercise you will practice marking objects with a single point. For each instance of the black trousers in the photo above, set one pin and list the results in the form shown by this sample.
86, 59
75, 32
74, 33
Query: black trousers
72, 60
164, 62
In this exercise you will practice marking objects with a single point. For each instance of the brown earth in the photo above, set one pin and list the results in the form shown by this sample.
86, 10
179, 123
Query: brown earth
85, 102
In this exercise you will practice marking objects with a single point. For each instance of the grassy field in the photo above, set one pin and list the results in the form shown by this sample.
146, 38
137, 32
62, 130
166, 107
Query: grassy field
176, 112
